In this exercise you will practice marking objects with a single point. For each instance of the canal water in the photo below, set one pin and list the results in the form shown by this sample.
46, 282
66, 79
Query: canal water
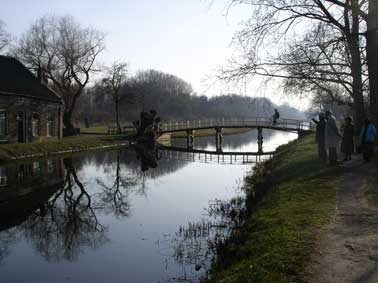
120, 216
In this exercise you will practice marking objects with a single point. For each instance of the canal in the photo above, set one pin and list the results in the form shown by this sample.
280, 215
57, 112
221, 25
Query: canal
121, 216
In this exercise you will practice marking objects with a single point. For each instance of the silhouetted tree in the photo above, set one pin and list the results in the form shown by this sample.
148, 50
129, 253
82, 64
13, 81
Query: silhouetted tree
114, 80
328, 53
67, 52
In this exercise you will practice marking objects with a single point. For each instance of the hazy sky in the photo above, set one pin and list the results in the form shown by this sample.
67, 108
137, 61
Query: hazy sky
188, 38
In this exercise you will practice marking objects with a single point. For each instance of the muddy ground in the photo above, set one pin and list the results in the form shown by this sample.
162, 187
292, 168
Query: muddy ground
347, 250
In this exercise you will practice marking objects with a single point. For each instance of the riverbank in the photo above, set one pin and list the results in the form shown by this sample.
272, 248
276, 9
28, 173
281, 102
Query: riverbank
296, 198
67, 145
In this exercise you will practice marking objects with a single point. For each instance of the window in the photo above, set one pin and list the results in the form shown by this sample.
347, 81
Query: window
36, 169
3, 177
50, 124
50, 166
3, 123
35, 125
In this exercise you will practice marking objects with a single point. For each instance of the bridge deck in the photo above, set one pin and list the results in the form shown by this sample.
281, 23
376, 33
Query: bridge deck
258, 122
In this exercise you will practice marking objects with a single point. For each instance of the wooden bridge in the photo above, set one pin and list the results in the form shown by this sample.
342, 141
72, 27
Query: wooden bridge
207, 156
289, 125
259, 123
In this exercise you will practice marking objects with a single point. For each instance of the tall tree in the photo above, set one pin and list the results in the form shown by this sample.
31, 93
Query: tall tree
275, 25
67, 52
114, 81
372, 55
4, 37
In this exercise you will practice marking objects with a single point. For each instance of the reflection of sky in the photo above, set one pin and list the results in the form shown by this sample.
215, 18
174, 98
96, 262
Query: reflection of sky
134, 252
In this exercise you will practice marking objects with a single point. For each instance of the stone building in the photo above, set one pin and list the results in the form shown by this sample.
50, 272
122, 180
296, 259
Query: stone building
29, 109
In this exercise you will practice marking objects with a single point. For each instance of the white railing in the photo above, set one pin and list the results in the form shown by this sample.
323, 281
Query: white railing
284, 124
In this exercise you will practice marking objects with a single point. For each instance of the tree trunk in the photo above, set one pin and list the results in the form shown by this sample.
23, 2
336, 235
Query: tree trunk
117, 116
67, 121
353, 41
372, 57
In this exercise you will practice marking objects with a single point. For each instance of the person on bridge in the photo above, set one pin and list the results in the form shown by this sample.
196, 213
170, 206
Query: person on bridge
367, 137
275, 116
320, 137
332, 137
347, 143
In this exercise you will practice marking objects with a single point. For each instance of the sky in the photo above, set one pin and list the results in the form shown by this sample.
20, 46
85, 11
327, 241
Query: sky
187, 38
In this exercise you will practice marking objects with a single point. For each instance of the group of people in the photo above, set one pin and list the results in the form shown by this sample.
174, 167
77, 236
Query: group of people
329, 137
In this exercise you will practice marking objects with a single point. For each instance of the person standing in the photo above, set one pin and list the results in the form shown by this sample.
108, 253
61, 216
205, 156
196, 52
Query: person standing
347, 143
275, 116
332, 137
367, 137
320, 137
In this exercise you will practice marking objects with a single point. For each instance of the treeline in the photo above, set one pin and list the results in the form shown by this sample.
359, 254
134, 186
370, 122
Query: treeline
173, 99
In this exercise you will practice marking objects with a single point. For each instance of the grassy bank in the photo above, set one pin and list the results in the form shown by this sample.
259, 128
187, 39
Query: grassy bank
14, 151
278, 233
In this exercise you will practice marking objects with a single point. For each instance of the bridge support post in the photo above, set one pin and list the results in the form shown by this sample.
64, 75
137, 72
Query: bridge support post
302, 134
218, 138
260, 140
189, 138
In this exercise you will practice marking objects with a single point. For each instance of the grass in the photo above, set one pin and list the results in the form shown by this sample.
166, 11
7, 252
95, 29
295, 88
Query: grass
279, 232
76, 143
211, 132
96, 130
371, 189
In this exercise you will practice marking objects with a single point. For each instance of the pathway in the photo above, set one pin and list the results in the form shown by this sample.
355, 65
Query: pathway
348, 249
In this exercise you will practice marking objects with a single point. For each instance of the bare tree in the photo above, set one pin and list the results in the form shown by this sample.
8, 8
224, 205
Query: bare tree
114, 80
271, 35
4, 37
67, 52
372, 56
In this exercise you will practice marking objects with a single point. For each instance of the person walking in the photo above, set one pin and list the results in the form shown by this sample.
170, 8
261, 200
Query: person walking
332, 138
275, 116
368, 135
320, 137
347, 142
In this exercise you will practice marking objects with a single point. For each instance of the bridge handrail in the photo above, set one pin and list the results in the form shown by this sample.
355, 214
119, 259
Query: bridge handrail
219, 122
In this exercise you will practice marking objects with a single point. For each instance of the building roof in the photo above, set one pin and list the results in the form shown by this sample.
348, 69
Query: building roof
17, 80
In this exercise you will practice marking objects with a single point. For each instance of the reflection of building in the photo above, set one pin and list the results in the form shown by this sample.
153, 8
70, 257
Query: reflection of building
25, 187
29, 110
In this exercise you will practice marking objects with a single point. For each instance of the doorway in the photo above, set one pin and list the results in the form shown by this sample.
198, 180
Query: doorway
20, 126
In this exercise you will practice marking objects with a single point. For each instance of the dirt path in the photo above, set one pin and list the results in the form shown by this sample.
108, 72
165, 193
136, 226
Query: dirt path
348, 249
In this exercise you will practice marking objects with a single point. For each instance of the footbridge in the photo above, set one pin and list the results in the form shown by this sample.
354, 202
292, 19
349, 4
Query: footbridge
189, 127
288, 125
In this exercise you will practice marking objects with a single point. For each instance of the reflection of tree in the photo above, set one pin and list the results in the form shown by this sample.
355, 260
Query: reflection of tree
66, 223
114, 197
7, 238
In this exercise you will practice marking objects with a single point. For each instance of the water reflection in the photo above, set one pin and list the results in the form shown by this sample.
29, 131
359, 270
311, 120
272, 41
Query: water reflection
130, 208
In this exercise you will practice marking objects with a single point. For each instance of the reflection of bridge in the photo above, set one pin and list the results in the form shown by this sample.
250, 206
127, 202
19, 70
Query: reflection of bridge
288, 125
208, 156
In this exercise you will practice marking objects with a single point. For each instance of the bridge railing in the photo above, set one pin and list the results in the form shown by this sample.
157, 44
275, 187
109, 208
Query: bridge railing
288, 124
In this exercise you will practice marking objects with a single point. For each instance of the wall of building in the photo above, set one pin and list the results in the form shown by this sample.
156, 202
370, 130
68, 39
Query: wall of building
30, 107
